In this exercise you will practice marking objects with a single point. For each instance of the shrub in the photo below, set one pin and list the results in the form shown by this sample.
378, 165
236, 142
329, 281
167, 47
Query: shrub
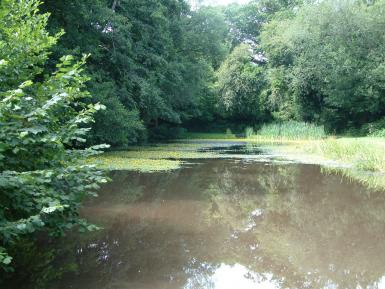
43, 178
376, 129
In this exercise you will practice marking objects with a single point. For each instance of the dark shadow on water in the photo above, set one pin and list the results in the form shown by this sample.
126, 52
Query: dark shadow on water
227, 224
240, 149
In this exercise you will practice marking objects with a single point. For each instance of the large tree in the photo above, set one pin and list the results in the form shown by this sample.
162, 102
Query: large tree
151, 62
332, 58
240, 85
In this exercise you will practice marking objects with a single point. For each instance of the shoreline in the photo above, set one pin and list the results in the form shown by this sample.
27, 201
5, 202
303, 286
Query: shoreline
361, 159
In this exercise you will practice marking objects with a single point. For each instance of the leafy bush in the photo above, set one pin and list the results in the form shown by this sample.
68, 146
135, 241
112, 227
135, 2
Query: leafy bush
376, 129
378, 133
43, 178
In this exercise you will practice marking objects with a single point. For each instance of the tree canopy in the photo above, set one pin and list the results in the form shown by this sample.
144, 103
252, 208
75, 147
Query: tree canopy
159, 65
327, 63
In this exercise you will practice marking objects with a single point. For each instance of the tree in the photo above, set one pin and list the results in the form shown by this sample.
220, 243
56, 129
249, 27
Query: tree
96, 28
43, 119
332, 55
246, 21
240, 84
203, 49
151, 62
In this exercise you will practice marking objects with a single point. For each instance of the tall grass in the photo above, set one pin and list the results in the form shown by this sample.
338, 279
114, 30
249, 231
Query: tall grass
292, 130
362, 153
378, 133
249, 132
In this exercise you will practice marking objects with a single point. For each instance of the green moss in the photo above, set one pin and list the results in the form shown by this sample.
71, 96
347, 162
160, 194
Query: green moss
151, 158
159, 154
109, 162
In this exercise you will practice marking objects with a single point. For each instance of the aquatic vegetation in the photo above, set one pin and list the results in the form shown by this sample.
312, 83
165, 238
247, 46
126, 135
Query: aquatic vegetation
173, 153
362, 153
361, 159
165, 157
151, 158
372, 180
112, 163
292, 130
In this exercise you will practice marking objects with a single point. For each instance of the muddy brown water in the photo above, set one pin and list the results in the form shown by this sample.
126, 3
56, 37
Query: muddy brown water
228, 224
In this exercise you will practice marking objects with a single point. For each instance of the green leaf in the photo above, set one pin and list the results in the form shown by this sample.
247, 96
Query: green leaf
23, 134
21, 227
7, 260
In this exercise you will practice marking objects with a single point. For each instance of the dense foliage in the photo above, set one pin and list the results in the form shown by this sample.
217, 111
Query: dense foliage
240, 84
43, 118
152, 62
326, 63
315, 61
159, 65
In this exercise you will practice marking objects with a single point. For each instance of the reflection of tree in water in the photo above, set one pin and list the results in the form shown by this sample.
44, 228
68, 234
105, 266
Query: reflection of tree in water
314, 230
307, 229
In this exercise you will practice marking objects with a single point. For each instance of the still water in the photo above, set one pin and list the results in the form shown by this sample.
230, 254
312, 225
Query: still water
229, 224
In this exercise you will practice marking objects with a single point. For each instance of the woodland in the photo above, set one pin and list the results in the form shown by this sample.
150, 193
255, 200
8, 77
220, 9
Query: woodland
81, 76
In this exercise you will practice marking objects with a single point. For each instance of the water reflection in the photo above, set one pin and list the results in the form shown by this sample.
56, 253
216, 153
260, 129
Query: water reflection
230, 224
235, 149
230, 277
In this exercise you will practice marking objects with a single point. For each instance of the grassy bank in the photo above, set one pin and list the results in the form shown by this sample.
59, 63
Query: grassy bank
365, 156
361, 159
361, 153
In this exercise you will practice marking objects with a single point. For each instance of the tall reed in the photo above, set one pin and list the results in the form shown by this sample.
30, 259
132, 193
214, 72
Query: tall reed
292, 130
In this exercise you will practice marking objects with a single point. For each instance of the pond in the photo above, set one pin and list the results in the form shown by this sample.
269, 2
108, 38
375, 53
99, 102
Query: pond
227, 224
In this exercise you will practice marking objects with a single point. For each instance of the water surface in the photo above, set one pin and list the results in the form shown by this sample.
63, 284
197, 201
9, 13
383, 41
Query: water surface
229, 224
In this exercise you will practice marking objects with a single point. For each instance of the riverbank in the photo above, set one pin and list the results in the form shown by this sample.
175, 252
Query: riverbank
360, 153
362, 159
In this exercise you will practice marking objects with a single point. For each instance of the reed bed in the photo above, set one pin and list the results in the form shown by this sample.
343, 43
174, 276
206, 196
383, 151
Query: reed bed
291, 130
